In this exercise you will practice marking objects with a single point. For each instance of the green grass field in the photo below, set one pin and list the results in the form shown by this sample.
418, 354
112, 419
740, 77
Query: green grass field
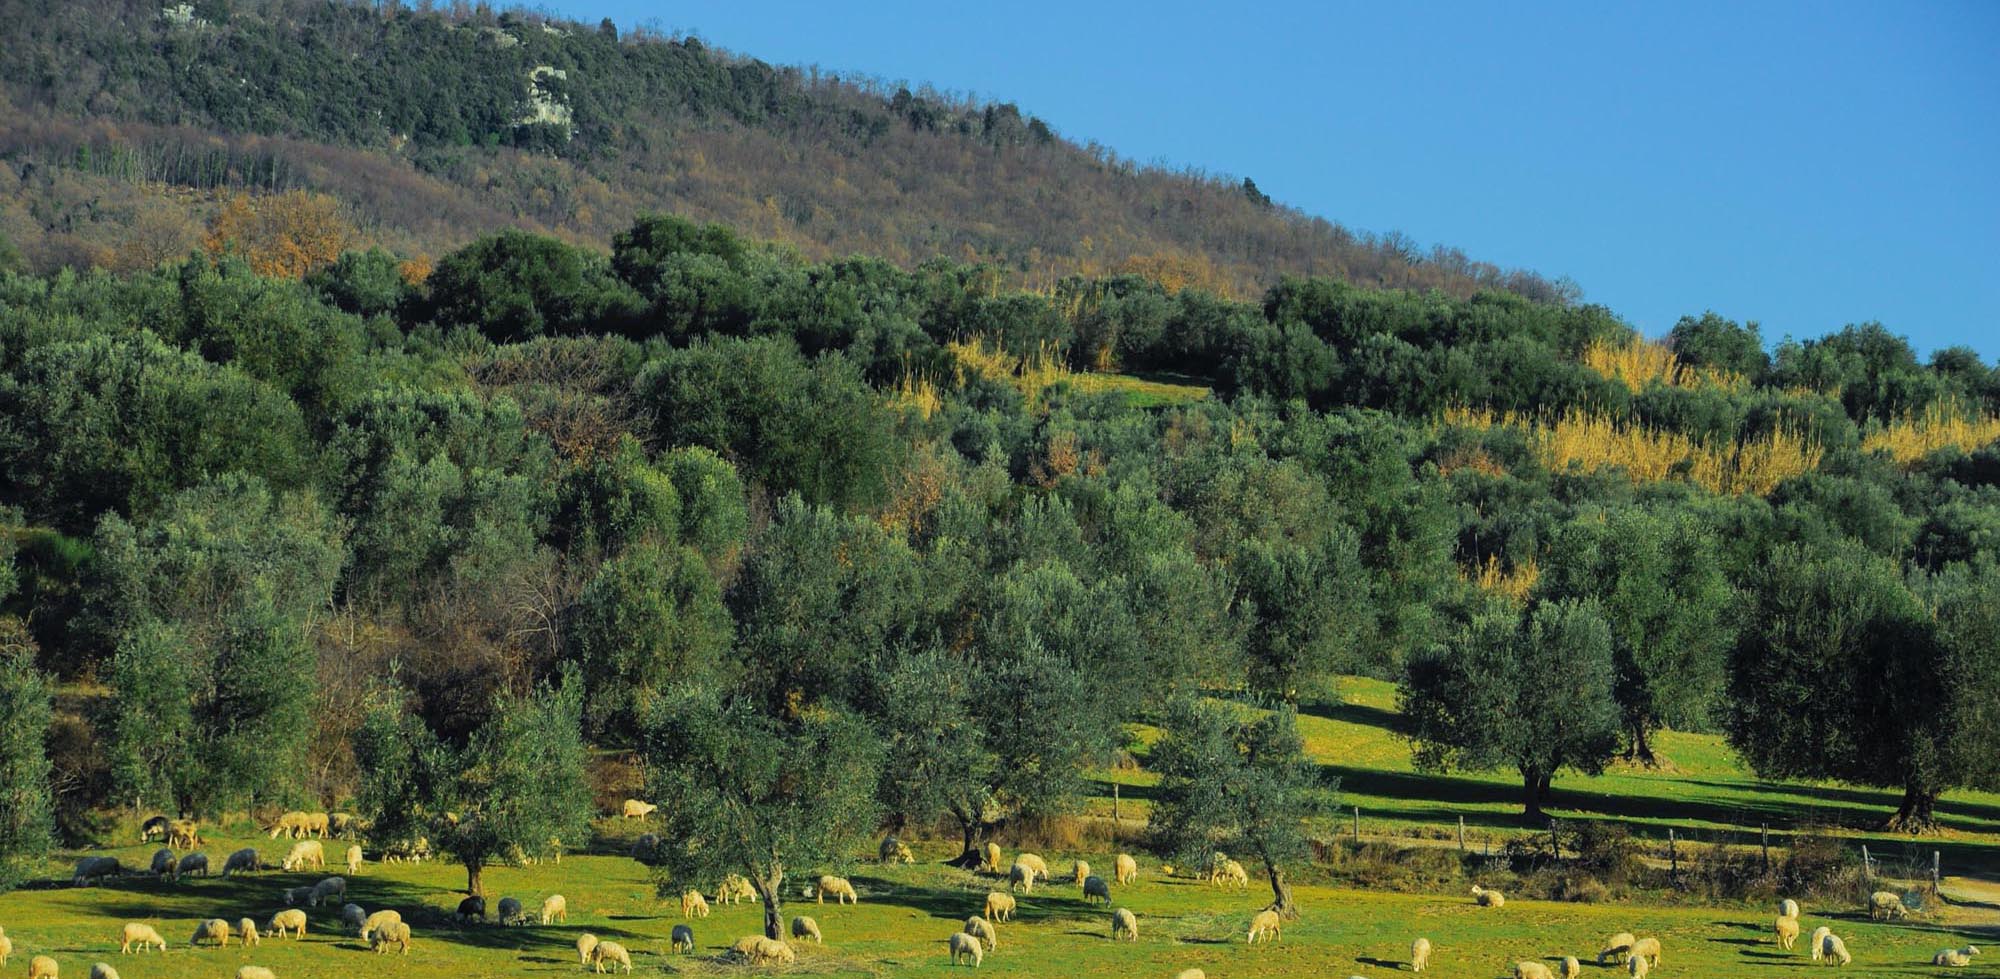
906, 912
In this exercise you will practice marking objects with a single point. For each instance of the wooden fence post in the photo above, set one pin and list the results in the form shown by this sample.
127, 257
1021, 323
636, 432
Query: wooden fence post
1765, 830
1555, 842
1461, 834
1357, 825
1867, 864
1673, 854
1937, 877
1114, 812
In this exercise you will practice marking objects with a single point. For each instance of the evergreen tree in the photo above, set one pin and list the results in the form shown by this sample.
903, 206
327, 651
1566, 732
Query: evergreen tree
26, 821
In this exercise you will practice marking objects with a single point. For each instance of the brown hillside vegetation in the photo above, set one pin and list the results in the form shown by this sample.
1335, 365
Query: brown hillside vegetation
123, 127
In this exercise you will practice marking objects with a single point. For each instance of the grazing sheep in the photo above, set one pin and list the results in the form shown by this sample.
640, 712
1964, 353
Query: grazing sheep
342, 823
6, 947
42, 967
182, 834
1233, 873
842, 891
983, 930
1818, 942
141, 935
635, 809
1265, 925
611, 952
1788, 908
1420, 954
584, 943
103, 970
1094, 886
743, 946
353, 860
1788, 932
1488, 899
1956, 957
255, 972
413, 851
1531, 970
395, 933
470, 908
767, 951
1215, 869
555, 908
352, 916
510, 911
966, 947
193, 863
1648, 949
1034, 863
1886, 904
92, 868
1079, 872
247, 931
289, 923
1190, 974
291, 825
330, 887
306, 853
1125, 869
1124, 923
295, 896
892, 850
1571, 968
1833, 951
316, 824
733, 889
213, 930
804, 928
1022, 877
991, 864
1636, 967
693, 905
378, 919
245, 860
683, 938
152, 827
163, 863
999, 907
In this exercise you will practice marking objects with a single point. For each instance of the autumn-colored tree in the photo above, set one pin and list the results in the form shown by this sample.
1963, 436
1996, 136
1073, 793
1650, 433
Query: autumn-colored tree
284, 236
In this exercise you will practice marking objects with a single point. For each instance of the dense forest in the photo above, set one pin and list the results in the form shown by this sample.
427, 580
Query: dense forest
898, 541
125, 127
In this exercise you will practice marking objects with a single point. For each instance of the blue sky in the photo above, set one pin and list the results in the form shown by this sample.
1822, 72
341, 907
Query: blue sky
1801, 165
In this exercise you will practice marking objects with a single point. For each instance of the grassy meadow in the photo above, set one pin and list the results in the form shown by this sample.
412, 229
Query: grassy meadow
906, 911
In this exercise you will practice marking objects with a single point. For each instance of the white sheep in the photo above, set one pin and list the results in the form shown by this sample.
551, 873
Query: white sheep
1788, 908
42, 967
1265, 925
1420, 954
213, 930
1818, 942
1636, 967
353, 916
769, 951
683, 938
1021, 876
289, 923
555, 908
842, 891
611, 952
395, 933
183, 834
1956, 957
1094, 886
291, 825
163, 863
6, 947
245, 860
305, 853
991, 861
1233, 873
1124, 923
693, 905
103, 970
1531, 970
965, 947
999, 907
331, 887
353, 859
316, 824
892, 850
1191, 974
510, 911
1648, 949
1079, 872
804, 928
1488, 899
584, 943
1034, 863
1886, 904
246, 931
1124, 869
378, 919
636, 809
1571, 968
91, 868
142, 935
1788, 931
1834, 951
255, 972
734, 888
193, 863
983, 930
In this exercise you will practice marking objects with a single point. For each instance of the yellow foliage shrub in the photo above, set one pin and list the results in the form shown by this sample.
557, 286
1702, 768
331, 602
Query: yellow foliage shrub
1581, 440
1638, 364
1913, 436
1514, 582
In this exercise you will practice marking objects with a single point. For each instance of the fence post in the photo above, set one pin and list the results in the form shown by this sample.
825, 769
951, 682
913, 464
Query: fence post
1867, 863
1936, 877
1114, 812
1555, 842
1673, 854
1357, 825
1765, 830
1461, 834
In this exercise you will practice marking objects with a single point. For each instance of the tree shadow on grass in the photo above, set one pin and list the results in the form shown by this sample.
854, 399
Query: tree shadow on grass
1375, 717
1378, 963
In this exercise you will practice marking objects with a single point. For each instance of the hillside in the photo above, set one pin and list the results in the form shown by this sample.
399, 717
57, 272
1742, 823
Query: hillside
124, 125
